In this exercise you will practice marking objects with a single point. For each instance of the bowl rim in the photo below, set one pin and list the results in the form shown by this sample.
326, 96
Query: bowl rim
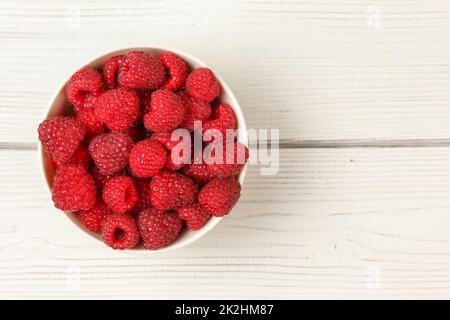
242, 137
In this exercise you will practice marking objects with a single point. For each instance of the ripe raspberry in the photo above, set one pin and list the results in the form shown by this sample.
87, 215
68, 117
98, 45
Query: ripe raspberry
220, 195
81, 157
166, 113
73, 188
61, 136
196, 110
172, 190
234, 157
93, 218
120, 231
198, 172
147, 158
195, 216
83, 87
158, 228
120, 194
110, 151
140, 70
203, 85
143, 188
177, 69
93, 126
99, 178
118, 108
223, 118
110, 70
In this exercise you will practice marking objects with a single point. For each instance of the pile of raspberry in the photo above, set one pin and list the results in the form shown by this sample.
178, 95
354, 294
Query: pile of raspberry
112, 152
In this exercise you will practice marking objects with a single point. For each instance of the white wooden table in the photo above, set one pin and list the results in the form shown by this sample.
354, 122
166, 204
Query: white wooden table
360, 91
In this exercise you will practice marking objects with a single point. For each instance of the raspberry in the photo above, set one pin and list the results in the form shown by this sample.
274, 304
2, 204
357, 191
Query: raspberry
158, 228
93, 126
203, 85
120, 194
110, 70
166, 111
110, 151
198, 172
61, 136
177, 69
223, 118
73, 188
117, 108
120, 231
143, 188
81, 157
196, 110
171, 190
220, 195
234, 157
195, 216
147, 158
99, 178
93, 218
140, 70
83, 87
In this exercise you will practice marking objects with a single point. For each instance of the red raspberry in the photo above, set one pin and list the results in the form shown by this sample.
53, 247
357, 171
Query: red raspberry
203, 85
223, 118
166, 112
195, 216
196, 110
73, 188
172, 190
118, 108
140, 70
99, 178
83, 87
143, 188
198, 172
177, 69
93, 218
110, 70
110, 151
120, 194
234, 157
81, 157
61, 136
220, 195
93, 126
158, 228
147, 158
120, 231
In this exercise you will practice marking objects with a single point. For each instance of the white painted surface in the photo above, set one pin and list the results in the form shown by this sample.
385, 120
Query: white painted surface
360, 93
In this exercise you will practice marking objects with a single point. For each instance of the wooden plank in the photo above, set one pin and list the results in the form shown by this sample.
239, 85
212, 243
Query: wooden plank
353, 222
315, 70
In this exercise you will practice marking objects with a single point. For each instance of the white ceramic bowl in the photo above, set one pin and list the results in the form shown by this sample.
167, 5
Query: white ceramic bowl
59, 106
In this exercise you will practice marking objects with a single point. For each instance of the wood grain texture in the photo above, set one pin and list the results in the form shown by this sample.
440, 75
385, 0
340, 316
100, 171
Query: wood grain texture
360, 93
